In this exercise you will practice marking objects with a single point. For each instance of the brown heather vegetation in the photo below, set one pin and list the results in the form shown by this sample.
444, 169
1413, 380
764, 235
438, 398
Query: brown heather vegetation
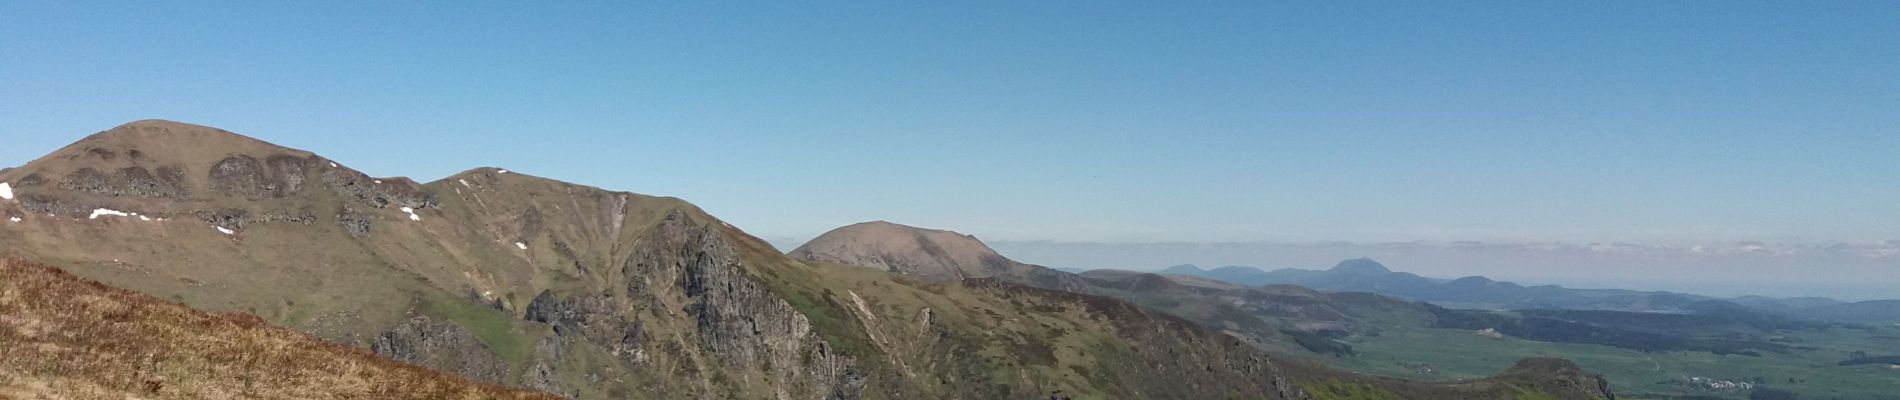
62, 337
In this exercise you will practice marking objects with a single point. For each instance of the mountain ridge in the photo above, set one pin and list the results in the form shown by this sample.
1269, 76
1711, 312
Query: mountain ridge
530, 282
536, 283
1216, 305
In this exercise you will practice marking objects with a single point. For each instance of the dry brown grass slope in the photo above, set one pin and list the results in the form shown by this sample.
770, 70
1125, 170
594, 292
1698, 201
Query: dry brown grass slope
63, 337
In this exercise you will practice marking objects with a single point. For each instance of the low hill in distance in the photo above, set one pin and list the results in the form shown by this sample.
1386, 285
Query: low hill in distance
926, 254
1477, 292
66, 337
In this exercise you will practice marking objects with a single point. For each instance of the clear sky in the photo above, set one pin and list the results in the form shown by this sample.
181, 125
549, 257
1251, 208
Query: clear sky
1504, 121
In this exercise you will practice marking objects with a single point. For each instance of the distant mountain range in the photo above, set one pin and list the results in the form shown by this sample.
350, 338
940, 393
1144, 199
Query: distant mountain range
1367, 275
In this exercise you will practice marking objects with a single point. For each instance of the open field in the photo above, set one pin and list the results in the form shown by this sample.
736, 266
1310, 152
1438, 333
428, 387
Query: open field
1810, 371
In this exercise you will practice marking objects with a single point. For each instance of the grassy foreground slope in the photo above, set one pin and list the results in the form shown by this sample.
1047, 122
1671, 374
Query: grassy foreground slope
62, 337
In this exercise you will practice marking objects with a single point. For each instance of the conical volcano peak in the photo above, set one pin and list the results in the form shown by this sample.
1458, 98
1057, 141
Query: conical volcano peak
1361, 266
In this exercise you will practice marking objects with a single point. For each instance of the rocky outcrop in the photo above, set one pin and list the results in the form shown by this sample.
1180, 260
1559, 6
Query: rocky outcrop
441, 345
747, 324
745, 332
355, 223
277, 176
378, 193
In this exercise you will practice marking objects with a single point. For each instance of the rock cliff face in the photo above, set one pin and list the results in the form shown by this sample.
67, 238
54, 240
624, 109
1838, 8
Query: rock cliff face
583, 292
749, 333
442, 346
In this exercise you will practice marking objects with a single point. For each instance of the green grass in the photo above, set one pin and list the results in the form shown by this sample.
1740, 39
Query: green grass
1524, 393
1340, 390
1459, 354
496, 330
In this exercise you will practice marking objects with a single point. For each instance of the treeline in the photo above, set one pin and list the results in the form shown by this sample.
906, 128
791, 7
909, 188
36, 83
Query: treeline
1894, 360
1325, 341
1591, 327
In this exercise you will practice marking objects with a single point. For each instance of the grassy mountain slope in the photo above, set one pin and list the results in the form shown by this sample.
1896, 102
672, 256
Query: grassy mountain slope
507, 278
65, 337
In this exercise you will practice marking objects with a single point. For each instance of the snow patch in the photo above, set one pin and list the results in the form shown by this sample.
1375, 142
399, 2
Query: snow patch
224, 230
332, 164
379, 181
501, 171
6, 191
144, 218
14, 219
523, 246
412, 213
105, 211
464, 183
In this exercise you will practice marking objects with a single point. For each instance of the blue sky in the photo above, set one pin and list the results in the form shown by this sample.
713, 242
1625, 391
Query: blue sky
1640, 121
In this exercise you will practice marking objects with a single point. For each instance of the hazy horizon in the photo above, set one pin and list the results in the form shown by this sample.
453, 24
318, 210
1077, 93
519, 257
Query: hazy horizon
1715, 269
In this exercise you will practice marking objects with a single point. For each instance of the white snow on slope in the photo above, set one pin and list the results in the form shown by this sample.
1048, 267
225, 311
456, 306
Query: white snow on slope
223, 230
106, 211
523, 246
6, 191
412, 213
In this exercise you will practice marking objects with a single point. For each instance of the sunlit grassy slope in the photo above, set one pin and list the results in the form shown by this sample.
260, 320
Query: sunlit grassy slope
62, 337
